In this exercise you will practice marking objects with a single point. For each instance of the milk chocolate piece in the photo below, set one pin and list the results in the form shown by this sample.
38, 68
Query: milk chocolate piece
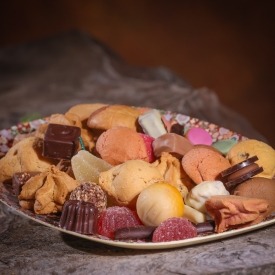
242, 178
79, 216
61, 141
172, 143
239, 166
19, 179
241, 172
134, 232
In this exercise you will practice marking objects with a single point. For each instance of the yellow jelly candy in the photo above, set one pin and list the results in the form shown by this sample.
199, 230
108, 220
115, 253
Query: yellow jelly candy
87, 167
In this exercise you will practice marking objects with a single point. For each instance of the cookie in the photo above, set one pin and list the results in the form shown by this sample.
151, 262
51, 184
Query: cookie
114, 115
251, 147
24, 156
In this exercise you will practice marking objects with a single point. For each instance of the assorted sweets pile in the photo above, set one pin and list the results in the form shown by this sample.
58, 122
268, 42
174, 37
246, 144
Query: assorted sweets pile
126, 173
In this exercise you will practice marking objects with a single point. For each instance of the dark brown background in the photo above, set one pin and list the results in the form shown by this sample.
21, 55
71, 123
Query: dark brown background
227, 46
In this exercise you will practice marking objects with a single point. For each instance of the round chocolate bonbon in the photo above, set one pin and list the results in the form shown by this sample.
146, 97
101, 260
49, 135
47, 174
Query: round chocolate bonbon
90, 192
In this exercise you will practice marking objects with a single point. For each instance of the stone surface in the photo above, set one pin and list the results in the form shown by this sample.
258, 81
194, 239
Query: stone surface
51, 75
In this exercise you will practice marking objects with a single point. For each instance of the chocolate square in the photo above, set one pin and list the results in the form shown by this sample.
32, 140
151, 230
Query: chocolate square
61, 141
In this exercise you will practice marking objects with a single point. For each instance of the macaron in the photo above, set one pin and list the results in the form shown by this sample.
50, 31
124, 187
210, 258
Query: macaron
119, 144
204, 164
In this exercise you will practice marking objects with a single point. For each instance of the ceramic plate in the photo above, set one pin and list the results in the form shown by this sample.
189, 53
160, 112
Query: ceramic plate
52, 220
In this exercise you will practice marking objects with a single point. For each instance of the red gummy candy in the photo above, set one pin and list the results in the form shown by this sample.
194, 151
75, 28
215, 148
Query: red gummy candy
174, 229
148, 140
116, 217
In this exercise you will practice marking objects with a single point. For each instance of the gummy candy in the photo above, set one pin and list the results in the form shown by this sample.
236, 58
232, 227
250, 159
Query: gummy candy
87, 167
148, 140
174, 229
116, 217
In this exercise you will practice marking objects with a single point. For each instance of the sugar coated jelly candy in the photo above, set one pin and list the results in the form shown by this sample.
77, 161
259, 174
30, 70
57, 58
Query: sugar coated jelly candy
148, 140
87, 167
174, 229
116, 217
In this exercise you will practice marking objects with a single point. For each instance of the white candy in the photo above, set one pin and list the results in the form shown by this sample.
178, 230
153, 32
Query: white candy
193, 215
152, 124
199, 194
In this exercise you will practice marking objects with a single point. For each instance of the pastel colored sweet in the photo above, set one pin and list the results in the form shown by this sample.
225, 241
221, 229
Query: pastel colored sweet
193, 215
119, 144
198, 136
260, 188
172, 143
203, 164
251, 147
152, 124
224, 145
197, 197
